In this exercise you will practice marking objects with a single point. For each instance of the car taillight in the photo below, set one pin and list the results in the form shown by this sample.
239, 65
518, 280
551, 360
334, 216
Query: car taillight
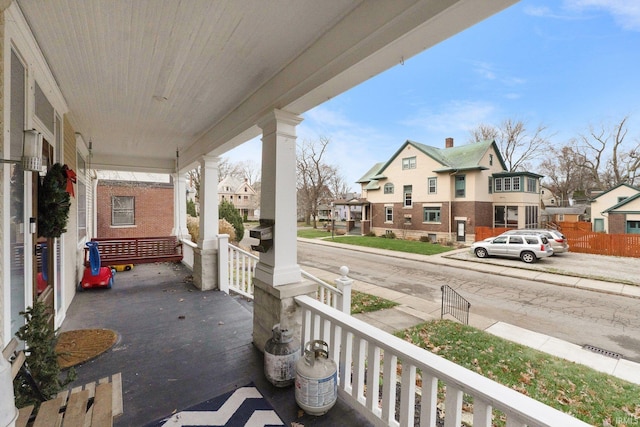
559, 240
542, 248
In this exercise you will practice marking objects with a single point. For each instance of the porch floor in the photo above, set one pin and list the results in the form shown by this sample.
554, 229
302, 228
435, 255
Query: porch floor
170, 363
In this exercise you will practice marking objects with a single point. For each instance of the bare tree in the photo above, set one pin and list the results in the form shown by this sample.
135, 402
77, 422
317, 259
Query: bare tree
606, 157
313, 177
563, 173
248, 170
516, 144
338, 186
225, 168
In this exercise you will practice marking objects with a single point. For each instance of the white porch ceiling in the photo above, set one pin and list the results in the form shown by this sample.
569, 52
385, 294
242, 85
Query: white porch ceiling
143, 78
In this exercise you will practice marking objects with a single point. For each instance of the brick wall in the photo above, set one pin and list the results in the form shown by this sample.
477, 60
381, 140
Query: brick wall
153, 209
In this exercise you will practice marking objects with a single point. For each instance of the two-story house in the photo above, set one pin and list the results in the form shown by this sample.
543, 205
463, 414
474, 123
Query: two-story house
617, 210
444, 193
241, 194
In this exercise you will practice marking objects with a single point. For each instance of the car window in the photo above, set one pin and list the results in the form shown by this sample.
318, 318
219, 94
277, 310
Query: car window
544, 240
532, 240
515, 240
500, 239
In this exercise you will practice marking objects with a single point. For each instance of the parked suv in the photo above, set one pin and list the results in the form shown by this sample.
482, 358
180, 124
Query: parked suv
528, 247
558, 241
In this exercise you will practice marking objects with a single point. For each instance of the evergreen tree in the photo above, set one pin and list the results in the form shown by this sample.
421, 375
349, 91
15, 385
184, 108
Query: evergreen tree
227, 211
41, 357
191, 208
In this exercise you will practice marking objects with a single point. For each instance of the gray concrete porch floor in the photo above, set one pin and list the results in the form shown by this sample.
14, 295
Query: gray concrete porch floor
179, 346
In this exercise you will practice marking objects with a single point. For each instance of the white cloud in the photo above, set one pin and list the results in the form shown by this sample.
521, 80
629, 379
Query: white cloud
626, 13
453, 117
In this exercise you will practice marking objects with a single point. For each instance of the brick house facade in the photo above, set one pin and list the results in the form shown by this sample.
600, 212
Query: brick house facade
134, 209
444, 194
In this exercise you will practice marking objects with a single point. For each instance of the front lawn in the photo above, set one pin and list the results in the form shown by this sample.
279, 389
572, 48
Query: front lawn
411, 246
594, 397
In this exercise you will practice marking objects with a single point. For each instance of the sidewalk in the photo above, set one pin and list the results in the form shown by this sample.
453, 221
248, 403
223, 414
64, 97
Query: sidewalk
413, 310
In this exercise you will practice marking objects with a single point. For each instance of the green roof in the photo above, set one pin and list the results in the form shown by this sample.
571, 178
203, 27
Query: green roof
452, 159
371, 173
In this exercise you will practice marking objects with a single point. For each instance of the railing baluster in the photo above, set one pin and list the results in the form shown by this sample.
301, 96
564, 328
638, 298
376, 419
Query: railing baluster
453, 406
346, 360
359, 368
373, 379
429, 401
481, 413
389, 377
407, 395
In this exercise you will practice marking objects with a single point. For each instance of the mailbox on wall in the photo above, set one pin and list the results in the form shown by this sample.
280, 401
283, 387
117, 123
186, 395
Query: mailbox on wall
264, 234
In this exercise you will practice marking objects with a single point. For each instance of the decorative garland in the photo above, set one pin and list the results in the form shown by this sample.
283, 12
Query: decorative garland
53, 202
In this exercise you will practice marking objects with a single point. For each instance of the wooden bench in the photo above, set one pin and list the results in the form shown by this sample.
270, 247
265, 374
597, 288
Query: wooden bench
137, 250
95, 404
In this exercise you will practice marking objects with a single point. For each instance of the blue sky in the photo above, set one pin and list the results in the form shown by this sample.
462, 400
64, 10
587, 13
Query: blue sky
564, 64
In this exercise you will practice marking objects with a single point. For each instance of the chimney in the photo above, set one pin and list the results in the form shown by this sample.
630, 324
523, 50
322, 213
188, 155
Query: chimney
448, 143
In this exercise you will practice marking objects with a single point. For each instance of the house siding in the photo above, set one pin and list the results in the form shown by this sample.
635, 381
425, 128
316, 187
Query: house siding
153, 209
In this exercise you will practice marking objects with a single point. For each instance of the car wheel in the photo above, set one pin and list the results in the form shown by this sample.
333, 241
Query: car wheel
481, 253
528, 257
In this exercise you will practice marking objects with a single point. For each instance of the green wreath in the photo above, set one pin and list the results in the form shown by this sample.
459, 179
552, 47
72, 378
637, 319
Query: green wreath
53, 203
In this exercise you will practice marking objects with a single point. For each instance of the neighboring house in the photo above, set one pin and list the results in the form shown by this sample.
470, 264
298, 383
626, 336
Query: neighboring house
241, 194
134, 205
445, 193
565, 214
547, 197
617, 211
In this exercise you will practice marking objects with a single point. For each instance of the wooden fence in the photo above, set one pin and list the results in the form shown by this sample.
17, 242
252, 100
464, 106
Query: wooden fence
585, 241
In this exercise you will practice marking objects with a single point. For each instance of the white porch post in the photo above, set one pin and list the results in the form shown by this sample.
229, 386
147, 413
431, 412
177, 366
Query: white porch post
180, 206
205, 260
277, 276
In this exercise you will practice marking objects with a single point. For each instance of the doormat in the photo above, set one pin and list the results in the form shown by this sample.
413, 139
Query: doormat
82, 345
243, 407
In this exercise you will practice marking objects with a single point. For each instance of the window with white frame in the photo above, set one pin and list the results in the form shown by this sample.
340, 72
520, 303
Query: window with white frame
388, 214
506, 184
531, 185
497, 184
388, 188
407, 196
515, 183
431, 214
409, 163
432, 185
122, 210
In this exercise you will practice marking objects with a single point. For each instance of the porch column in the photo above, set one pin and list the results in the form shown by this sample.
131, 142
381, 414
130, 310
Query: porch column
205, 261
180, 206
277, 276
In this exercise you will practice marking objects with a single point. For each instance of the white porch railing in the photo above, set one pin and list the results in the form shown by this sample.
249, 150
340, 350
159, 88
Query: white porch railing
368, 357
241, 268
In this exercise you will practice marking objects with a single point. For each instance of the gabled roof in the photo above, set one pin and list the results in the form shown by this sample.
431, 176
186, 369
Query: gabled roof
371, 173
452, 159
615, 188
234, 183
622, 203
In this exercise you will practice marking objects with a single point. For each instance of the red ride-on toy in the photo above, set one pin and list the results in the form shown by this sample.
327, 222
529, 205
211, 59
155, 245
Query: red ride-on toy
94, 275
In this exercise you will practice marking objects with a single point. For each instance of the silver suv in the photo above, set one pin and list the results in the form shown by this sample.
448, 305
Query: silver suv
558, 241
528, 247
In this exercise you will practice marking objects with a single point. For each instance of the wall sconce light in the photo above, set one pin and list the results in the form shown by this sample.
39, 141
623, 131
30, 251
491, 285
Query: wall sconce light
32, 151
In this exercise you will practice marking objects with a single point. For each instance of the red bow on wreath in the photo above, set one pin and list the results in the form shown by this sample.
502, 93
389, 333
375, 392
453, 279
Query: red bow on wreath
71, 179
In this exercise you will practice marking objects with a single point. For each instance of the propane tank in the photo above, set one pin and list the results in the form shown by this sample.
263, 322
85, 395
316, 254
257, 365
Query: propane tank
281, 352
316, 379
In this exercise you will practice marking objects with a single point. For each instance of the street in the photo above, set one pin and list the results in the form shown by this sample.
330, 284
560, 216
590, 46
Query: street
609, 322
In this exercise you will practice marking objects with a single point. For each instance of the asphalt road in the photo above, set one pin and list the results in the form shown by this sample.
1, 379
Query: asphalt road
582, 317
